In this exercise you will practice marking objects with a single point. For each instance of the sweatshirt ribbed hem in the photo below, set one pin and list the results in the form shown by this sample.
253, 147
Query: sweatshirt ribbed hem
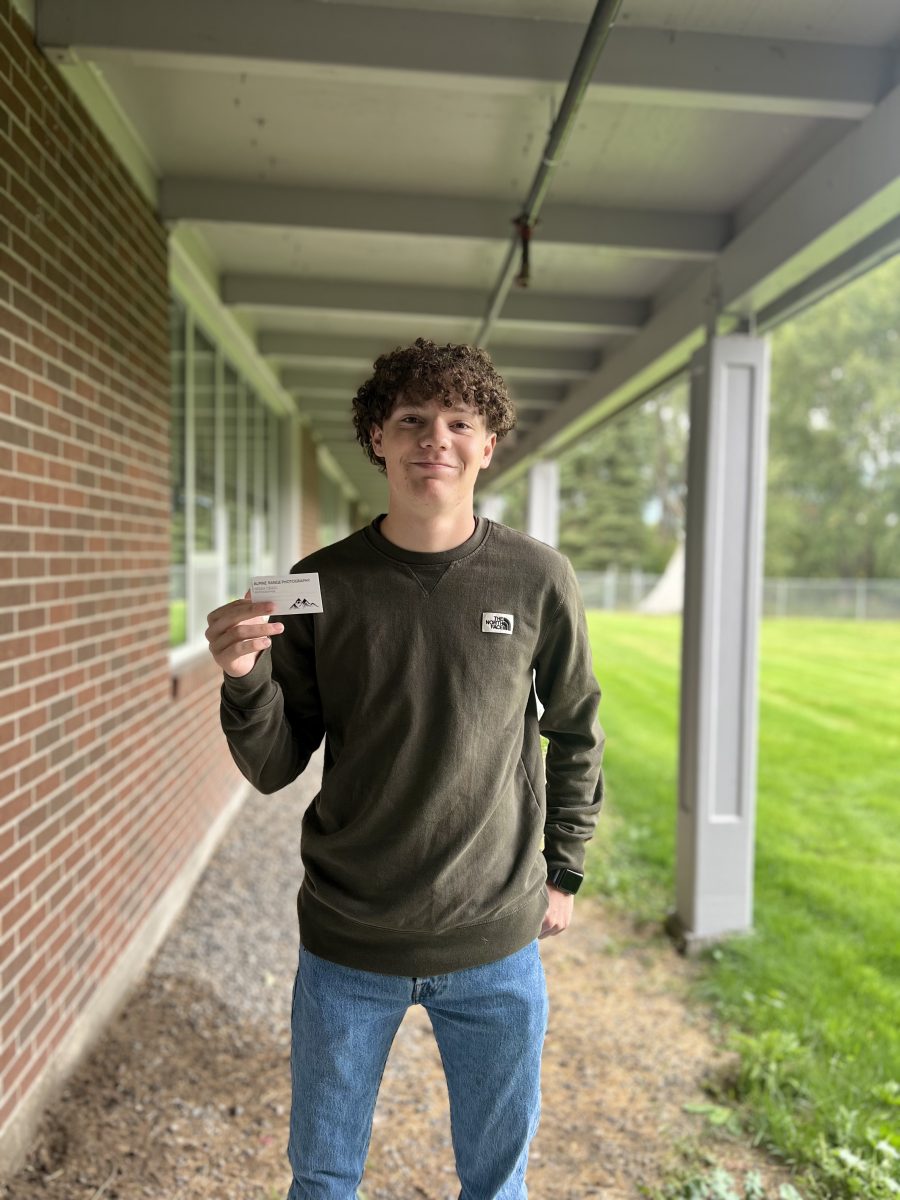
416, 954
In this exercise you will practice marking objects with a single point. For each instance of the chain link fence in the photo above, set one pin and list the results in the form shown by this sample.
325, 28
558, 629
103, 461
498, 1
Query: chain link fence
852, 599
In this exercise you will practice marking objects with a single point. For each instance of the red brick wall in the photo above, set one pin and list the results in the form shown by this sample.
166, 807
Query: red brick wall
309, 494
110, 770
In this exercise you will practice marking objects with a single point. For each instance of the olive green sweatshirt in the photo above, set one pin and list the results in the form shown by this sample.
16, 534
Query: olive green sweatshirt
427, 848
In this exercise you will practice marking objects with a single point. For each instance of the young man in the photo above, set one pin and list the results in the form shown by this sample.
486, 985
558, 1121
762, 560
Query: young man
439, 848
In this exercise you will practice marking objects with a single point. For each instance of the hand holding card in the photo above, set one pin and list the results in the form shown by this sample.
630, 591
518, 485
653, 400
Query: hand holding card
292, 595
238, 632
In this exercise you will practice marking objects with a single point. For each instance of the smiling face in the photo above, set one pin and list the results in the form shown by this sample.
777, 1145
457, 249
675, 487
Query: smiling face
432, 453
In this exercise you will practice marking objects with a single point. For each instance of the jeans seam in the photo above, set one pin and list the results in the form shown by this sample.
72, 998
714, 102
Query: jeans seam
372, 1114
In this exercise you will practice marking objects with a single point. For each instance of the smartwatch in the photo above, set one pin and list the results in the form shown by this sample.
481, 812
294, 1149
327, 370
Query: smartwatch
567, 881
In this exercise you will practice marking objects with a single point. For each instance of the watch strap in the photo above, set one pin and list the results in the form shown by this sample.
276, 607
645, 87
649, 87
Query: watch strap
565, 879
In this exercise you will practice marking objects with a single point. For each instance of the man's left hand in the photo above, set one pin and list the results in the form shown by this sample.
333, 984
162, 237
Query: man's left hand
559, 911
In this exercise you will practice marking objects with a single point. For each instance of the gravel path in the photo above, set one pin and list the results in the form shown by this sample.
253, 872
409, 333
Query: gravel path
239, 936
187, 1094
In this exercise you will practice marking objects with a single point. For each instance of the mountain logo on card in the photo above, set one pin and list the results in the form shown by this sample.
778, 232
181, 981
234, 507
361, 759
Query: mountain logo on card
497, 622
302, 602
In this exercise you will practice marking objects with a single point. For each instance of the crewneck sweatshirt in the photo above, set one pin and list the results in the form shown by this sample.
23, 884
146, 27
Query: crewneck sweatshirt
427, 848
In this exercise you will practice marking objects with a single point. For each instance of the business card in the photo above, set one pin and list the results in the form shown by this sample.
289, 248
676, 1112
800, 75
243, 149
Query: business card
292, 593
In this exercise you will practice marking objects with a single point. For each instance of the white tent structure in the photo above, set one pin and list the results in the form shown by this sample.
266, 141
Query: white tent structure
667, 595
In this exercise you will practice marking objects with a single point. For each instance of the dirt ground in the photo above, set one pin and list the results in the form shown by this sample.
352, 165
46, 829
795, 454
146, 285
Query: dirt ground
180, 1101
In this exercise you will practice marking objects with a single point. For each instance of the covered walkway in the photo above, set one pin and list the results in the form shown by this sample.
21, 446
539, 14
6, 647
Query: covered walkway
187, 1094
209, 227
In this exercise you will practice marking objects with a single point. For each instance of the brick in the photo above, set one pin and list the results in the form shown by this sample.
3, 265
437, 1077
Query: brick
12, 756
33, 871
14, 965
14, 434
34, 1019
12, 807
14, 540
30, 721
12, 485
84, 328
13, 378
30, 464
11, 101
11, 916
14, 1072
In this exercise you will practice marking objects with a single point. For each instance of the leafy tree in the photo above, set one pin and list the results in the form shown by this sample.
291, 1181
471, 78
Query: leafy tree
833, 502
602, 489
609, 483
834, 435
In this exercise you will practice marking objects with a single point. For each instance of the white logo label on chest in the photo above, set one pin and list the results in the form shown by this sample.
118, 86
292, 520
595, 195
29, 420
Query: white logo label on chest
497, 622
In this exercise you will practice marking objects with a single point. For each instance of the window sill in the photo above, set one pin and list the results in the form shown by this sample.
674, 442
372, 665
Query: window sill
188, 655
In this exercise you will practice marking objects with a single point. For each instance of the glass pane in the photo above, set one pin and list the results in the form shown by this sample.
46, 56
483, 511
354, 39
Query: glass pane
177, 582
262, 539
231, 430
246, 450
256, 444
270, 491
204, 442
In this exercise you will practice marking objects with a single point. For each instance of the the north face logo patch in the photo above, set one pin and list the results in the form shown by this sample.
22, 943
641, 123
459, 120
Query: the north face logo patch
497, 622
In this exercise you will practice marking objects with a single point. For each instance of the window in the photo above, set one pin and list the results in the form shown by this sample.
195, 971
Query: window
225, 479
334, 510
178, 568
232, 477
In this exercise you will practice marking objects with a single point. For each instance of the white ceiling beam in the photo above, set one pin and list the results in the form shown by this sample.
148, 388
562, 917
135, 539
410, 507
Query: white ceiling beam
326, 416
317, 390
326, 352
649, 233
524, 361
528, 410
319, 350
578, 313
537, 392
327, 398
328, 384
517, 363
851, 193
335, 437
858, 260
527, 406
584, 313
427, 46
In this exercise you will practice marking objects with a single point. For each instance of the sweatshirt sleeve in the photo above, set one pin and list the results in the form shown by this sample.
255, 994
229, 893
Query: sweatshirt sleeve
570, 695
272, 717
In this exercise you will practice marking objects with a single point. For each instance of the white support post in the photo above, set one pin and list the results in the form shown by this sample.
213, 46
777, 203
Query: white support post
543, 501
491, 506
722, 605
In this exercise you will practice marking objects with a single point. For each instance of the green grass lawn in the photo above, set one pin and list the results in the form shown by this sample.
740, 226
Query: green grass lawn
177, 622
812, 999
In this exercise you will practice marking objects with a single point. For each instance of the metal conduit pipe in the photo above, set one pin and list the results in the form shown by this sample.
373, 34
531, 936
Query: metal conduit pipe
591, 48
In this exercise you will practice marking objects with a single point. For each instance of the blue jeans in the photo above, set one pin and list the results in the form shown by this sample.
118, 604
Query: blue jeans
489, 1023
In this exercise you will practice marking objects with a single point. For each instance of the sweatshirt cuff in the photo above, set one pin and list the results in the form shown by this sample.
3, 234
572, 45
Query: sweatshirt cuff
256, 689
570, 855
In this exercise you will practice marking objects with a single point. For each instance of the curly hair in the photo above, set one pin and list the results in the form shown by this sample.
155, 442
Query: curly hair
424, 371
